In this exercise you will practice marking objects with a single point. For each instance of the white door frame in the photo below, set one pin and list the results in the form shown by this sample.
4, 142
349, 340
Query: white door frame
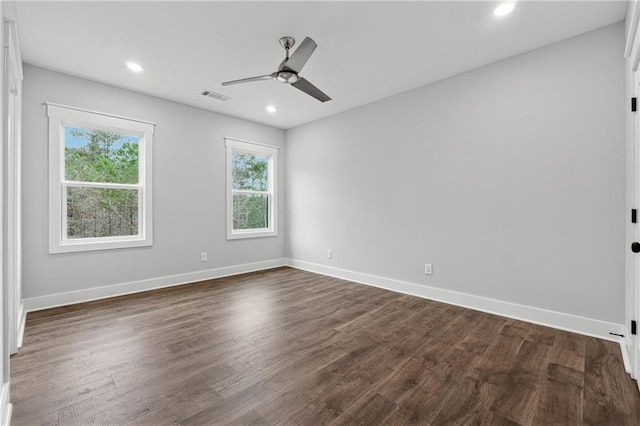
12, 107
633, 293
631, 348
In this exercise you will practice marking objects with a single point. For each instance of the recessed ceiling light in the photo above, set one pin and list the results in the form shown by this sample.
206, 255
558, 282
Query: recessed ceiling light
271, 109
504, 9
134, 67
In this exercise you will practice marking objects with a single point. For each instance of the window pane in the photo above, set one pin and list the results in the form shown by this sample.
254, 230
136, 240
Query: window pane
249, 172
250, 211
96, 156
101, 212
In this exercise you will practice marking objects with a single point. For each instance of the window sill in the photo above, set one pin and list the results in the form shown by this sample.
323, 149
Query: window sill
82, 246
237, 235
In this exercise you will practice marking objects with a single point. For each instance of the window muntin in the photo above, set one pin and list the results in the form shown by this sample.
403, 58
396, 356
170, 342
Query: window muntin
251, 189
100, 181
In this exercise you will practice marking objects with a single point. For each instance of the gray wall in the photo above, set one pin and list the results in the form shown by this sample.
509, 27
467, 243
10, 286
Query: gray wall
189, 189
509, 179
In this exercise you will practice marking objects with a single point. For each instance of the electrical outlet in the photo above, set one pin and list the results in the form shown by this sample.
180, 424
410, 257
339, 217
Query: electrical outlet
203, 256
329, 254
428, 268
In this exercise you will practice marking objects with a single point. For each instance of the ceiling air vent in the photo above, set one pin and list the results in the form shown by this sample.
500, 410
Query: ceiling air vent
215, 95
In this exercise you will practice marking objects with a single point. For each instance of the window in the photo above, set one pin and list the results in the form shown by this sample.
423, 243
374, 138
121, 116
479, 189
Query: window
251, 190
100, 180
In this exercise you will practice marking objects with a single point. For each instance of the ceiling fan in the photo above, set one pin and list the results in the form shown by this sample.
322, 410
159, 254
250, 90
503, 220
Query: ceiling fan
290, 67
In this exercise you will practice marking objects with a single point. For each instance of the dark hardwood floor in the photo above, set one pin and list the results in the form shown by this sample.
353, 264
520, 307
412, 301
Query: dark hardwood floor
291, 347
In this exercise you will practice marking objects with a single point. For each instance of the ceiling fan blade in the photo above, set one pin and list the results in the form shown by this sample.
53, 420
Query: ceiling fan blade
300, 56
250, 79
311, 90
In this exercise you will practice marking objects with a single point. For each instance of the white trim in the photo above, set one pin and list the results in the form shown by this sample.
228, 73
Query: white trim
635, 53
633, 12
22, 322
106, 114
7, 407
271, 153
61, 299
243, 141
61, 115
12, 43
559, 320
632, 292
12, 119
625, 349
17, 53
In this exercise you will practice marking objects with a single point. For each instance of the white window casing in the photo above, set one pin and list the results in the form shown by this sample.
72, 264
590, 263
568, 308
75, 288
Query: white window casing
271, 154
61, 116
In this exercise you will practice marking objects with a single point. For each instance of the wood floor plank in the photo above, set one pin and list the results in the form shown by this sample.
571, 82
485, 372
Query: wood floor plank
604, 372
423, 405
503, 349
296, 401
569, 350
134, 399
285, 346
541, 334
370, 409
478, 342
272, 377
250, 418
402, 382
559, 404
471, 399
343, 393
519, 394
52, 402
289, 405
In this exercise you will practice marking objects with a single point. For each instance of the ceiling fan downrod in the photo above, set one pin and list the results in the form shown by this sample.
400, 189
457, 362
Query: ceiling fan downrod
287, 43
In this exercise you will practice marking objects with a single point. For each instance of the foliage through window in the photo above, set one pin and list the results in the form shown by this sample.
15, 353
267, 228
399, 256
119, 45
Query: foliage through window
100, 183
251, 198
100, 157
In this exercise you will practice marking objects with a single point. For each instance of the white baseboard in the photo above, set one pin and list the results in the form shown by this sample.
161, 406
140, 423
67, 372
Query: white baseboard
559, 320
61, 299
625, 348
7, 407
22, 317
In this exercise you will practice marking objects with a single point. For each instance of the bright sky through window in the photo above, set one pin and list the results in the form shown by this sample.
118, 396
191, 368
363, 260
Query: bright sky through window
72, 138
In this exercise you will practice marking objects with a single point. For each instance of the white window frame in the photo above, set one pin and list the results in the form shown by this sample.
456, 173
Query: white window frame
271, 153
61, 116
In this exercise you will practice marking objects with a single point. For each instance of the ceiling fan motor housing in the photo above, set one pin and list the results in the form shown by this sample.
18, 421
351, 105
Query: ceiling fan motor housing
287, 77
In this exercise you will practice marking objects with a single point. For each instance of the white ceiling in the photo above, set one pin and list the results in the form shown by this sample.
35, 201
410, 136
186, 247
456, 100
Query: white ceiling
366, 50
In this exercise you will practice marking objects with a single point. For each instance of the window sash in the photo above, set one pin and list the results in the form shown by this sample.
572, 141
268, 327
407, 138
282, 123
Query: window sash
107, 185
269, 212
120, 131
249, 192
268, 193
64, 228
